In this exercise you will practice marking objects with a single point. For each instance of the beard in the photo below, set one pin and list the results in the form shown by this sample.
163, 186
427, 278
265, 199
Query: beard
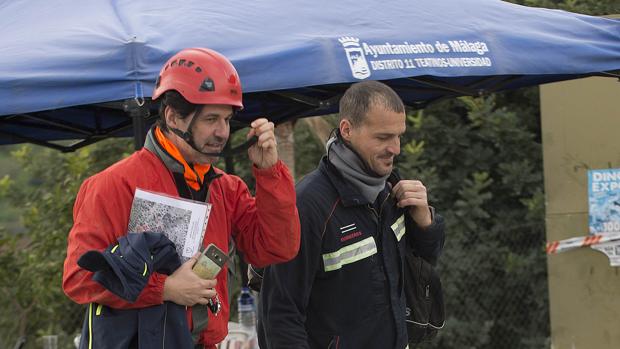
214, 143
383, 164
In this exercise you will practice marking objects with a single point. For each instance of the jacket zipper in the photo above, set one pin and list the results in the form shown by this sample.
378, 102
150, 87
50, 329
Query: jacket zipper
378, 216
380, 237
163, 340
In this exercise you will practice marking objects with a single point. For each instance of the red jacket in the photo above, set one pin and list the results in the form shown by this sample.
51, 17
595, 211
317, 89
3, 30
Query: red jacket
266, 228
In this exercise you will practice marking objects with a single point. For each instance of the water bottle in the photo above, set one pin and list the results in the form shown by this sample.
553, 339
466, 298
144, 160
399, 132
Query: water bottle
247, 318
247, 311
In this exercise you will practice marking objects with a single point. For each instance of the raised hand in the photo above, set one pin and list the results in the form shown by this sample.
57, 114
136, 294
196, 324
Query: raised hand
412, 194
264, 153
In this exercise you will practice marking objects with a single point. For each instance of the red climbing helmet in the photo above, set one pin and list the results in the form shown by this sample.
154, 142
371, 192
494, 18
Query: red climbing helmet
201, 76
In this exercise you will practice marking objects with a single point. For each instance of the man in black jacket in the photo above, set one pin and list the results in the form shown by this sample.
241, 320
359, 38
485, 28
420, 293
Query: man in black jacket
345, 287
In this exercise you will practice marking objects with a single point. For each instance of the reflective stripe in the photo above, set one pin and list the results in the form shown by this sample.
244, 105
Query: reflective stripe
145, 269
349, 254
98, 312
90, 326
427, 324
114, 249
399, 227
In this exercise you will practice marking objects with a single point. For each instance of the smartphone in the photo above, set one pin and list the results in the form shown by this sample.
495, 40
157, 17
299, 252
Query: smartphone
210, 262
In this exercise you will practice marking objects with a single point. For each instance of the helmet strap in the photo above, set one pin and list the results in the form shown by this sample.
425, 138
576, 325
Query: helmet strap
188, 137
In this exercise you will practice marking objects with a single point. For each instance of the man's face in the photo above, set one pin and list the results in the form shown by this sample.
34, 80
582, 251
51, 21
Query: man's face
210, 132
377, 138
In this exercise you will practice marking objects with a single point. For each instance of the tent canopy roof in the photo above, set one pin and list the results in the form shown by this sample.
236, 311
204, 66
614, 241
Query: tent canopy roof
80, 70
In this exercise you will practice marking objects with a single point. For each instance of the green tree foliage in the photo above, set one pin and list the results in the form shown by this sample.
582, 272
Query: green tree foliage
31, 297
482, 166
588, 7
9, 215
308, 149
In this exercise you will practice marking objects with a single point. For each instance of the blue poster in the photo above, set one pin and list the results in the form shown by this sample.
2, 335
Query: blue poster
604, 200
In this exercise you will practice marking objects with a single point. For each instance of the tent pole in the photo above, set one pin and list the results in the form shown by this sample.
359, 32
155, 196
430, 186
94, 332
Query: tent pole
229, 160
138, 111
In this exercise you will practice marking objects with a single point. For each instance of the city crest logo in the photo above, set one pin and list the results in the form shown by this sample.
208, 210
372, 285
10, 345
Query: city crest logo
355, 56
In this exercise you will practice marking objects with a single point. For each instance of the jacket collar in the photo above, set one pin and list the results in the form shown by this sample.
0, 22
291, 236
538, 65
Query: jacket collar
154, 147
175, 165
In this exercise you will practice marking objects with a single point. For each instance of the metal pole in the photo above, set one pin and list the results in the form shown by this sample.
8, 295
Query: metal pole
139, 112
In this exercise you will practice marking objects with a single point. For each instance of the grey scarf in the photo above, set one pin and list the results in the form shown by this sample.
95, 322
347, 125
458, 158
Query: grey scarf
354, 170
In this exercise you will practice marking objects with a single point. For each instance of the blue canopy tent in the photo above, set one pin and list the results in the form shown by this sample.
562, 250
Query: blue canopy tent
85, 70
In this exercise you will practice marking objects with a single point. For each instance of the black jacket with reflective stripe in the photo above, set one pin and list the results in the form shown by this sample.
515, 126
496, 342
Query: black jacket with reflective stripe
345, 287
120, 269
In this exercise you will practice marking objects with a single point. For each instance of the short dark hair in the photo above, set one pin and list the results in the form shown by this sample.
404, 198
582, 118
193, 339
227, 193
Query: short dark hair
361, 96
177, 102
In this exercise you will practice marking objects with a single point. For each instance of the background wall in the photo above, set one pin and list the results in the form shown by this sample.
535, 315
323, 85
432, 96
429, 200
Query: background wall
581, 131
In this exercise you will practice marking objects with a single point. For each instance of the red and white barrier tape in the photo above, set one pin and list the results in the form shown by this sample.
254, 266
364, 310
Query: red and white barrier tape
581, 241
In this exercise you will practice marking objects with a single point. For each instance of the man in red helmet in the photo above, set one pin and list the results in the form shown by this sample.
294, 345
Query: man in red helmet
200, 92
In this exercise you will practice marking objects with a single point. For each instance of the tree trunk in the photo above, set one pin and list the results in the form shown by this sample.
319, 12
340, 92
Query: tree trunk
320, 127
286, 144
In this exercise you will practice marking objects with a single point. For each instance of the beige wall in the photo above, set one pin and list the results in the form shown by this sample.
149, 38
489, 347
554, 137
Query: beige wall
581, 130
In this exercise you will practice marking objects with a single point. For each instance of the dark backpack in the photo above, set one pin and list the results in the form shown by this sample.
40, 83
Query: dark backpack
255, 277
425, 313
